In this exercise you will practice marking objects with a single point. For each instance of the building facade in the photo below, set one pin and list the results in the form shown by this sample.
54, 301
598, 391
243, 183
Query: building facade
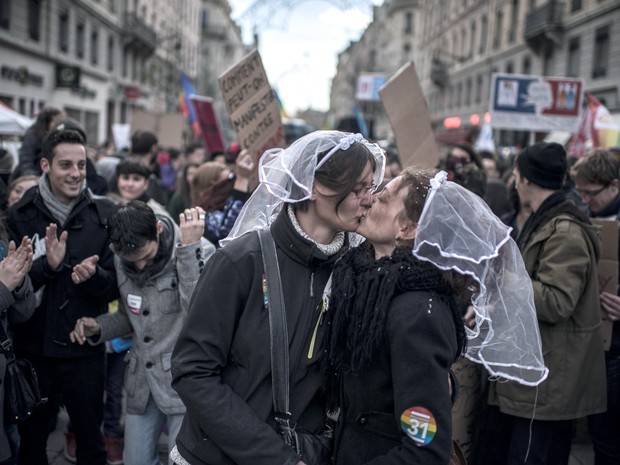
100, 59
456, 46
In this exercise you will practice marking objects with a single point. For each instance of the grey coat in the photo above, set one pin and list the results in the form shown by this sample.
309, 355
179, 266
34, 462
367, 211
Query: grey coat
155, 313
15, 307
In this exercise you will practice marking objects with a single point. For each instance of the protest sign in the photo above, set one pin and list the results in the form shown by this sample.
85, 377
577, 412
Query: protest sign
535, 103
406, 109
168, 126
252, 106
209, 127
607, 269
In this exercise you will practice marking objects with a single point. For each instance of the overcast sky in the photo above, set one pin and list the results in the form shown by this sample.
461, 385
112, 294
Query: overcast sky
299, 46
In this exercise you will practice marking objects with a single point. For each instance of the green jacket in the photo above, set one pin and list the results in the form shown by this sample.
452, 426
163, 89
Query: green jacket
561, 257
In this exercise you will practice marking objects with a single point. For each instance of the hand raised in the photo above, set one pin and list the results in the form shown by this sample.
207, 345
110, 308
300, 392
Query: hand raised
16, 264
85, 270
191, 225
55, 247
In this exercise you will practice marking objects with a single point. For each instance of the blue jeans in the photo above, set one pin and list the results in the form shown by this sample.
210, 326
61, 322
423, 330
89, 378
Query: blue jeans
142, 434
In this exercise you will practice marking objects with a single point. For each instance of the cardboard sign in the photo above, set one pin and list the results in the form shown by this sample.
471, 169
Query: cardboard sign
608, 270
252, 106
535, 103
168, 127
406, 109
209, 127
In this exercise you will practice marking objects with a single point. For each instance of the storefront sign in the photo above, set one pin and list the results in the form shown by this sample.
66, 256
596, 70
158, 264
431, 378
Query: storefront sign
21, 75
67, 76
84, 92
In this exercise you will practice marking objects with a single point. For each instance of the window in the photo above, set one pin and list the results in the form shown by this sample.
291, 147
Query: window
472, 39
112, 6
483, 34
575, 5
63, 31
526, 67
79, 40
512, 33
499, 19
409, 23
125, 63
510, 67
5, 14
468, 85
479, 85
204, 21
34, 19
548, 62
94, 47
572, 63
459, 94
601, 52
110, 55
406, 53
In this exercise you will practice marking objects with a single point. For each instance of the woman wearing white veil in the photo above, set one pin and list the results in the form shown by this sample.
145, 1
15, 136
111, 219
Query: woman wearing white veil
396, 323
309, 195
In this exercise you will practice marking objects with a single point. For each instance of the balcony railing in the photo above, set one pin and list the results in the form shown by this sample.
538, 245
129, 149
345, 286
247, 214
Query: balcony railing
138, 35
543, 24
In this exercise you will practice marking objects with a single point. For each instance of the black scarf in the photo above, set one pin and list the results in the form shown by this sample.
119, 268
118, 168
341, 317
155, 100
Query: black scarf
612, 209
162, 257
556, 204
361, 293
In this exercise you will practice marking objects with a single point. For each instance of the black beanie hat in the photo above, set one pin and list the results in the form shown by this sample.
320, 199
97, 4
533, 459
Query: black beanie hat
544, 164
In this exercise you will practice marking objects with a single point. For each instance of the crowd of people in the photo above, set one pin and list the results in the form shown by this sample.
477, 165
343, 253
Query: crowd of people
433, 316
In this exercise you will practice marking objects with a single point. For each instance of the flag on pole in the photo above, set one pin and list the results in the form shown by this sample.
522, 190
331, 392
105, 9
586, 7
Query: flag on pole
596, 129
185, 104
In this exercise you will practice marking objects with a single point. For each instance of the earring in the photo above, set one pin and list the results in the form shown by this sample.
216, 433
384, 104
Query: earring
313, 197
396, 244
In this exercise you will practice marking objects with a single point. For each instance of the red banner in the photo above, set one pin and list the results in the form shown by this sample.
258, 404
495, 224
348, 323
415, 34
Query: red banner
210, 129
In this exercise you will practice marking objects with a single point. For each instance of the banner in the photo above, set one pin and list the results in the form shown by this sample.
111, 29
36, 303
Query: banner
252, 105
368, 86
596, 129
187, 90
210, 130
535, 103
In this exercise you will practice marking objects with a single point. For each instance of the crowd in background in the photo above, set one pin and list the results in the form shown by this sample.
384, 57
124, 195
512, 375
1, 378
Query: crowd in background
193, 193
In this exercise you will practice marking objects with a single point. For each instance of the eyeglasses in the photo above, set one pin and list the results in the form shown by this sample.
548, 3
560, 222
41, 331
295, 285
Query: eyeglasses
592, 194
363, 191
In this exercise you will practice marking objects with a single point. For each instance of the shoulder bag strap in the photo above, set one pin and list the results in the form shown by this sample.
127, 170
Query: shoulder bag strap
274, 300
5, 344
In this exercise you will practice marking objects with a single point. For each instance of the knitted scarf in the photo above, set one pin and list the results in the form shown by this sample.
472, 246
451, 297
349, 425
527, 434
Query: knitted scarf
363, 288
59, 210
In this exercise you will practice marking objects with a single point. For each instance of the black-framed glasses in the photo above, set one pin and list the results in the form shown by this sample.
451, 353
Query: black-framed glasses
364, 191
592, 194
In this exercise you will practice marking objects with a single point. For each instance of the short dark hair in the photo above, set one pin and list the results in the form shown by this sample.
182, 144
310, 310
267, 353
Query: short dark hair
57, 137
341, 172
193, 147
132, 165
142, 141
130, 226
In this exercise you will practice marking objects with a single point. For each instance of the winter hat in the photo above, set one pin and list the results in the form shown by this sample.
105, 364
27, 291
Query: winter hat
544, 164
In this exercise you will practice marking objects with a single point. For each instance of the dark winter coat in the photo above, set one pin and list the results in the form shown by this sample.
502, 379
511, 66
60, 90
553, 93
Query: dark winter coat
221, 364
61, 301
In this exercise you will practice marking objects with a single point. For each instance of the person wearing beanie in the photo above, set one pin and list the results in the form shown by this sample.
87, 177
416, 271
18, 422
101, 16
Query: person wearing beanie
560, 248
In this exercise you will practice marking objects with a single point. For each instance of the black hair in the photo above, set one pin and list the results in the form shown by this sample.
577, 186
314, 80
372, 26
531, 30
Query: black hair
57, 137
342, 171
131, 226
70, 123
193, 147
142, 142
132, 165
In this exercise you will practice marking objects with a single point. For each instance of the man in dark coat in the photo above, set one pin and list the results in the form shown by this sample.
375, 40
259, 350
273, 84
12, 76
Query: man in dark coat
73, 275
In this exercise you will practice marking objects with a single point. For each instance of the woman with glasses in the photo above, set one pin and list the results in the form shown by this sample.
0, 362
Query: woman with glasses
310, 195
